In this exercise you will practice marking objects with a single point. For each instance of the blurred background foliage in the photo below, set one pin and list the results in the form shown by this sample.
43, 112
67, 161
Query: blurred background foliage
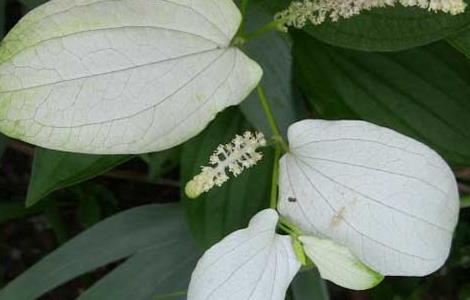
109, 227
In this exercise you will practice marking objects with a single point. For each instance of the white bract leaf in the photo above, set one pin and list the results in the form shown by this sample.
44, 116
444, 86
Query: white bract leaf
253, 263
339, 265
390, 199
121, 76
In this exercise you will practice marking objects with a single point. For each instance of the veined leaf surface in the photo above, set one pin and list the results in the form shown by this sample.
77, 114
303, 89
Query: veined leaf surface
127, 76
390, 199
252, 263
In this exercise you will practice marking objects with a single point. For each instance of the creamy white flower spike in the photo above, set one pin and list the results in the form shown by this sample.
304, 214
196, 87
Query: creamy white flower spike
390, 199
253, 263
339, 265
128, 76
317, 11
234, 157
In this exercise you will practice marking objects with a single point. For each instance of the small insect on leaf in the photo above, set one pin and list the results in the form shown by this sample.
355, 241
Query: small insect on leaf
292, 199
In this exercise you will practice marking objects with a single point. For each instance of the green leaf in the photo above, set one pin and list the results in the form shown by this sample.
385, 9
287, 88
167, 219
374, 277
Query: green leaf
309, 286
422, 92
53, 170
461, 42
2, 18
152, 230
155, 273
160, 163
89, 209
390, 29
16, 210
273, 52
3, 144
30, 4
222, 210
465, 202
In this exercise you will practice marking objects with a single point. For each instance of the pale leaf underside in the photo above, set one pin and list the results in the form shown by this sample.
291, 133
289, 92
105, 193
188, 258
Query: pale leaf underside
392, 200
337, 264
121, 76
253, 263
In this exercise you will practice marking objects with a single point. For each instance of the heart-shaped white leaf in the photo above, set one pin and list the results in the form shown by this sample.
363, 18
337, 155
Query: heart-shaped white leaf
127, 76
390, 199
337, 264
253, 263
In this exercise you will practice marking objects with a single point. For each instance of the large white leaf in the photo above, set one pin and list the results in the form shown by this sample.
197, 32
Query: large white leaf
253, 263
339, 265
392, 200
121, 76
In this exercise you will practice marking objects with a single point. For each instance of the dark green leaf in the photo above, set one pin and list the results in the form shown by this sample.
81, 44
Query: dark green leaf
308, 285
461, 42
150, 275
3, 144
53, 170
422, 92
2, 17
30, 4
222, 210
160, 163
89, 210
16, 210
273, 52
155, 230
465, 202
390, 29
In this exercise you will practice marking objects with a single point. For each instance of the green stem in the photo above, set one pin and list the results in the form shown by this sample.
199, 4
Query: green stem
287, 230
465, 202
275, 178
271, 120
274, 25
292, 228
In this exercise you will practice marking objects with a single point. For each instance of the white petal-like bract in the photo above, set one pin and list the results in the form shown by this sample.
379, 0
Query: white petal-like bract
253, 263
121, 76
390, 199
339, 265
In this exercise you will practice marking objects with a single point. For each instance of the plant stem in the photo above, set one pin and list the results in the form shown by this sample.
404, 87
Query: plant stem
274, 25
294, 230
275, 178
287, 230
272, 121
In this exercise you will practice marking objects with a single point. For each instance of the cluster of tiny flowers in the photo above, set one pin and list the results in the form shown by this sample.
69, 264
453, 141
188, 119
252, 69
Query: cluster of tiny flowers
317, 11
234, 157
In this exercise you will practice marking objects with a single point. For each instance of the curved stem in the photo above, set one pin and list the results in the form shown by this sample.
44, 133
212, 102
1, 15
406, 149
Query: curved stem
275, 178
272, 121
274, 25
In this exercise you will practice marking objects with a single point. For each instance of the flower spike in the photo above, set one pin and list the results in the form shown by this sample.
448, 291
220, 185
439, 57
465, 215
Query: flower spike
317, 11
234, 157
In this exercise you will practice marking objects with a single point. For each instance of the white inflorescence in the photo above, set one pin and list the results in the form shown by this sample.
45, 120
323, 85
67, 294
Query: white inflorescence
234, 157
316, 11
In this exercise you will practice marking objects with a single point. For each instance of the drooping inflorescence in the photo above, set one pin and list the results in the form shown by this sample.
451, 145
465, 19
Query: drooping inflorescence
317, 11
234, 157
